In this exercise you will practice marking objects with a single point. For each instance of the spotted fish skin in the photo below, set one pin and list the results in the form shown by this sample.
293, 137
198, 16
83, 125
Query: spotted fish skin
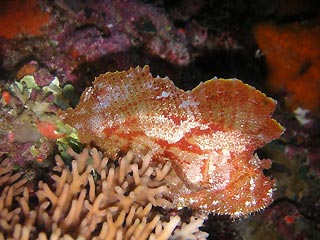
209, 134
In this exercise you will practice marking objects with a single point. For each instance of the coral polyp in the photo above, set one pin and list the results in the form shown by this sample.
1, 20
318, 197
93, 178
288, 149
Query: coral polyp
209, 134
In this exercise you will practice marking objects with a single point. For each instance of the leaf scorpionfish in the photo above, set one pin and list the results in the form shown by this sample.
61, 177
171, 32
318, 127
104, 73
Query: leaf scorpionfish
209, 134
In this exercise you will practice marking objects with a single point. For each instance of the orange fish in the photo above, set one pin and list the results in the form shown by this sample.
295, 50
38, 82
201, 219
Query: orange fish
209, 134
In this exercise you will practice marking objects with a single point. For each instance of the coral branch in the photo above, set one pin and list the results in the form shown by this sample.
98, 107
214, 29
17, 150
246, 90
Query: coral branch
120, 203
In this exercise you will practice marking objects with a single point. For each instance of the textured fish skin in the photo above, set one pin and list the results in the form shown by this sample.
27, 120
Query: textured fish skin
209, 134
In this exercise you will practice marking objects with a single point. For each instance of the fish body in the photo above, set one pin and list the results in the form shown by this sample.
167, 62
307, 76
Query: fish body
209, 134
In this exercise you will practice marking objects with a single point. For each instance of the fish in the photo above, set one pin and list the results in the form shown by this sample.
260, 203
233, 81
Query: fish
209, 134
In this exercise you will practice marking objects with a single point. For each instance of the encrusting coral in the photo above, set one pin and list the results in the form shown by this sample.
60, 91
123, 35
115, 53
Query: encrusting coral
209, 134
94, 198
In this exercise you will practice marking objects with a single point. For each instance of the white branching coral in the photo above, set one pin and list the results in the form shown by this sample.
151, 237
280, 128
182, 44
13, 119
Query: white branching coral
94, 198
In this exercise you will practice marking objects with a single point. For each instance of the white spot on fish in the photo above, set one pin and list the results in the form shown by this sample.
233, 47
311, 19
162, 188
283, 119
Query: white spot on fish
187, 103
164, 94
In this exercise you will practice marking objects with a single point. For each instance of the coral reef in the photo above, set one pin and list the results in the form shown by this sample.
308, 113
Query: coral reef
79, 35
285, 222
94, 198
272, 46
208, 134
29, 125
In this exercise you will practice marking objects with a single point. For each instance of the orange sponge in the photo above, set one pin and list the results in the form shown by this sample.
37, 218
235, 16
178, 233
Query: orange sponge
293, 58
21, 17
